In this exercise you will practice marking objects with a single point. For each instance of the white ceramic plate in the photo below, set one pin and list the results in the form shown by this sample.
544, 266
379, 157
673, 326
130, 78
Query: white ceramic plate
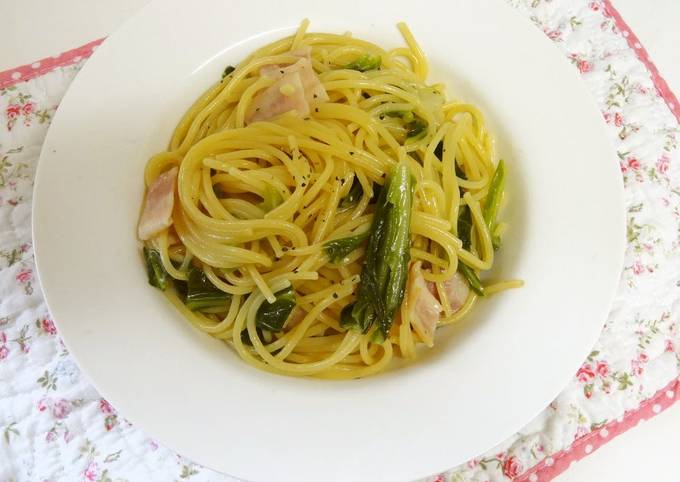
481, 382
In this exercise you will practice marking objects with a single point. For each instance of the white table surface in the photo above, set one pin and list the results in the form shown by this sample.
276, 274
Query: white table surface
33, 29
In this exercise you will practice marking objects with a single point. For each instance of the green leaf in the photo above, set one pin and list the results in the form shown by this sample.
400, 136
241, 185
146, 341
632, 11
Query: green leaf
273, 316
465, 226
339, 249
346, 319
593, 354
10, 430
201, 294
271, 199
112, 457
416, 129
155, 271
188, 471
353, 196
405, 115
365, 62
263, 335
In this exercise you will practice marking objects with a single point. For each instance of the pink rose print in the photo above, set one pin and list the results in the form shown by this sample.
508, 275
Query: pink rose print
602, 369
4, 351
584, 66
48, 326
618, 120
24, 276
585, 373
92, 471
553, 34
637, 367
3, 338
61, 408
105, 407
111, 419
13, 110
633, 164
28, 108
43, 404
638, 268
643, 357
670, 347
594, 6
512, 467
662, 164
51, 436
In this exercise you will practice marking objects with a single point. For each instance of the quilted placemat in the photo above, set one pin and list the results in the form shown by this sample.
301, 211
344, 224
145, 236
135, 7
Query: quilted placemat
55, 426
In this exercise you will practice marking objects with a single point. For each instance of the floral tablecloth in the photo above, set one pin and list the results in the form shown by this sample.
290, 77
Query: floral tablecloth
55, 426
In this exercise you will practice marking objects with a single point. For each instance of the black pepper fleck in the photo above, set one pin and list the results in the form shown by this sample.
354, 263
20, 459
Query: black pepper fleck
335, 295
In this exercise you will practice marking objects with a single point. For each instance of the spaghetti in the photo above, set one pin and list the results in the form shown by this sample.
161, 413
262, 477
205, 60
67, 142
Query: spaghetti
317, 159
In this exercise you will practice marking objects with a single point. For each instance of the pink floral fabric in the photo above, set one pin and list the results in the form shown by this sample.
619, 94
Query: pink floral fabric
55, 426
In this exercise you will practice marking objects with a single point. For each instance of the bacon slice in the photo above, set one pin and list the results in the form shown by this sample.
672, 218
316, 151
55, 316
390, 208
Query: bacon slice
160, 199
423, 306
457, 290
302, 52
314, 89
282, 96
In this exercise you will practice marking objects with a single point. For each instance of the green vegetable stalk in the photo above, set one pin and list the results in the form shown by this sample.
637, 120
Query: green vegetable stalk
464, 234
385, 270
493, 201
472, 278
